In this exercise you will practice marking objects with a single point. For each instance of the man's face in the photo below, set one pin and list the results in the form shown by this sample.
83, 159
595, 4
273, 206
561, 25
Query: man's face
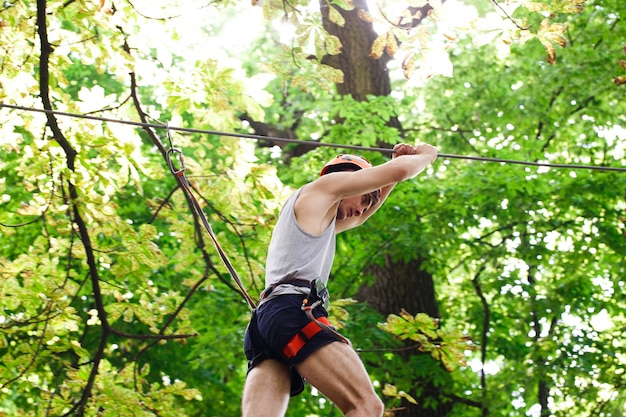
354, 206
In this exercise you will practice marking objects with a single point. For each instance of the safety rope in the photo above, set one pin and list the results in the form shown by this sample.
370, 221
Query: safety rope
308, 310
180, 174
309, 142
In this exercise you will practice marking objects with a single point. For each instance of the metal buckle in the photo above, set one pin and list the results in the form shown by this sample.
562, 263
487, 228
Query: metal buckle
318, 295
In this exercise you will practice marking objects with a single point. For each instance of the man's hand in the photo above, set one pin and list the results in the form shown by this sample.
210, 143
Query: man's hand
405, 149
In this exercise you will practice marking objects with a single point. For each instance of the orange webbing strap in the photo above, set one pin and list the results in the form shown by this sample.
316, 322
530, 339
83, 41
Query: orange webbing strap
296, 343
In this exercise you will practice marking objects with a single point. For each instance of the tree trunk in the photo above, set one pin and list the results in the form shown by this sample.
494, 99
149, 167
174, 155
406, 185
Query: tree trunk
398, 285
363, 75
406, 286
401, 286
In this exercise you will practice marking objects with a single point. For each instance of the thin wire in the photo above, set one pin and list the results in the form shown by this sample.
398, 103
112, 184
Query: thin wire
306, 142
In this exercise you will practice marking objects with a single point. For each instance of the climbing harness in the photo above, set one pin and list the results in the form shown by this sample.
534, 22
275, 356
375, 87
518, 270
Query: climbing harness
318, 296
288, 281
180, 174
305, 334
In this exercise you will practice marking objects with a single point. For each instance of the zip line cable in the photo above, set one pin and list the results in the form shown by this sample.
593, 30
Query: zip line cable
179, 172
305, 142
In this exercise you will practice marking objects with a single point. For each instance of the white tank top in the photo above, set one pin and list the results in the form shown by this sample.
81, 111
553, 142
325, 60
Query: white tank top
296, 254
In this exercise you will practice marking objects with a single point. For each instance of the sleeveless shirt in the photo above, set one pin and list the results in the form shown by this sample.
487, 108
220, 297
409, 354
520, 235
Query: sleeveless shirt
295, 254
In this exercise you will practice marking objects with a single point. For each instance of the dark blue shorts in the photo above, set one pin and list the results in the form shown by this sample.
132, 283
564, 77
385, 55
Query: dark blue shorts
271, 327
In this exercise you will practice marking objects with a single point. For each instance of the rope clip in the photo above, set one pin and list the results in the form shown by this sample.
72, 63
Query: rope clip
313, 306
172, 150
318, 295
178, 172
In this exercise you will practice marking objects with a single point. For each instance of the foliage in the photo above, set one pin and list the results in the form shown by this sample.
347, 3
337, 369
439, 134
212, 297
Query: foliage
114, 301
541, 264
447, 347
100, 253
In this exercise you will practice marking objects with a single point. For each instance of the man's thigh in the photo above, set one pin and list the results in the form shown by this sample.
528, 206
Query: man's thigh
337, 372
266, 392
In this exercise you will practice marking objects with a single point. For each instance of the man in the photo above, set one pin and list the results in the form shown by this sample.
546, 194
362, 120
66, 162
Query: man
289, 339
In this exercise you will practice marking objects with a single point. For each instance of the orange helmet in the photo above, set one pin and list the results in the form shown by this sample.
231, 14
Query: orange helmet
346, 162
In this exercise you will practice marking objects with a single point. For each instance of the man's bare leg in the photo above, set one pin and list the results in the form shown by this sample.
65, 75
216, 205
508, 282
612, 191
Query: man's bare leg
267, 389
338, 373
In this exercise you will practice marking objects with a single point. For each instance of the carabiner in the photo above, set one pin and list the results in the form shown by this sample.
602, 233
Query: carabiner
178, 172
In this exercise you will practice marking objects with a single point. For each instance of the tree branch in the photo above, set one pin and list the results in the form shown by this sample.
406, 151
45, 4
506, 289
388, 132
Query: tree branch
484, 336
33, 358
149, 336
70, 152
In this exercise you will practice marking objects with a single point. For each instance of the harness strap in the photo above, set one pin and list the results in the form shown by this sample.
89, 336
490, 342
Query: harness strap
298, 341
291, 281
